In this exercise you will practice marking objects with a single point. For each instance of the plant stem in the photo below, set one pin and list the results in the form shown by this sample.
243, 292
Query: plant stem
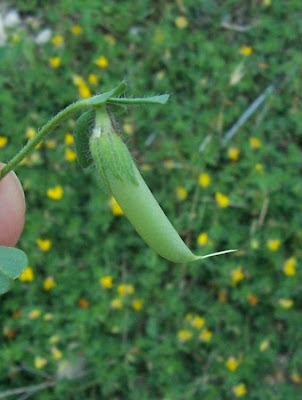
27, 389
247, 113
95, 101
47, 128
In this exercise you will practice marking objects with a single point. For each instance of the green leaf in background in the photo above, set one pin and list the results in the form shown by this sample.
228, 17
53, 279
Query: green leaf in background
12, 263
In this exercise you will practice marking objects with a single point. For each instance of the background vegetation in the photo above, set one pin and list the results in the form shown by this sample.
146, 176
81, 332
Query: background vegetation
97, 315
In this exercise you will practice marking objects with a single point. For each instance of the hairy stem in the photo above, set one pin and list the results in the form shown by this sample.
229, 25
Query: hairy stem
47, 128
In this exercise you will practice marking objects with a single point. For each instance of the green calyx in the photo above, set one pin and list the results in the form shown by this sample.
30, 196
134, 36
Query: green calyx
109, 153
82, 132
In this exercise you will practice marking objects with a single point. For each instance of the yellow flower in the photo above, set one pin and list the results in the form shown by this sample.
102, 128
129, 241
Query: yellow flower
233, 153
54, 339
55, 193
222, 200
106, 282
181, 193
254, 244
30, 132
232, 363
267, 3
70, 155
197, 322
93, 79
115, 207
184, 335
273, 244
49, 283
128, 129
237, 275
206, 335
3, 141
181, 22
48, 317
264, 345
32, 159
34, 314
116, 304
202, 239
263, 65
239, 390
146, 167
296, 378
137, 304
56, 353
204, 179
15, 38
57, 40
160, 75
286, 303
76, 30
125, 289
40, 362
69, 138
77, 80
102, 62
189, 317
54, 62
259, 168
246, 51
44, 244
27, 275
25, 161
84, 91
158, 36
50, 143
289, 267
167, 54
255, 143
110, 39
169, 164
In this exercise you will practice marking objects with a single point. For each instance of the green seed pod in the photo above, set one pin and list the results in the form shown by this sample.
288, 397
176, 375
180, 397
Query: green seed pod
123, 180
82, 131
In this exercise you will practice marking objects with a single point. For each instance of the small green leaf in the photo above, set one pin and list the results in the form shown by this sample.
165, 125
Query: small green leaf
161, 99
12, 263
102, 98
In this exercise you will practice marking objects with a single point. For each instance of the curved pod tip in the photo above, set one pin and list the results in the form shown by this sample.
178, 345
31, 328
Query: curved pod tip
217, 253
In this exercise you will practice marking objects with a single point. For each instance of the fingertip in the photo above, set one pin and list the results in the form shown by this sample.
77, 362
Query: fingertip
12, 209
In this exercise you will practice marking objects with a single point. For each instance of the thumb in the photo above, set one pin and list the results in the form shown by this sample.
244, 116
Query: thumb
12, 209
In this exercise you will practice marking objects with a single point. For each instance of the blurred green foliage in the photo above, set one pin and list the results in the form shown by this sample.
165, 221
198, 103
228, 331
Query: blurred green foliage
224, 328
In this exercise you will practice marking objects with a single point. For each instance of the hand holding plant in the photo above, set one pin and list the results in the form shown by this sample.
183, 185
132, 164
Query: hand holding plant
12, 212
